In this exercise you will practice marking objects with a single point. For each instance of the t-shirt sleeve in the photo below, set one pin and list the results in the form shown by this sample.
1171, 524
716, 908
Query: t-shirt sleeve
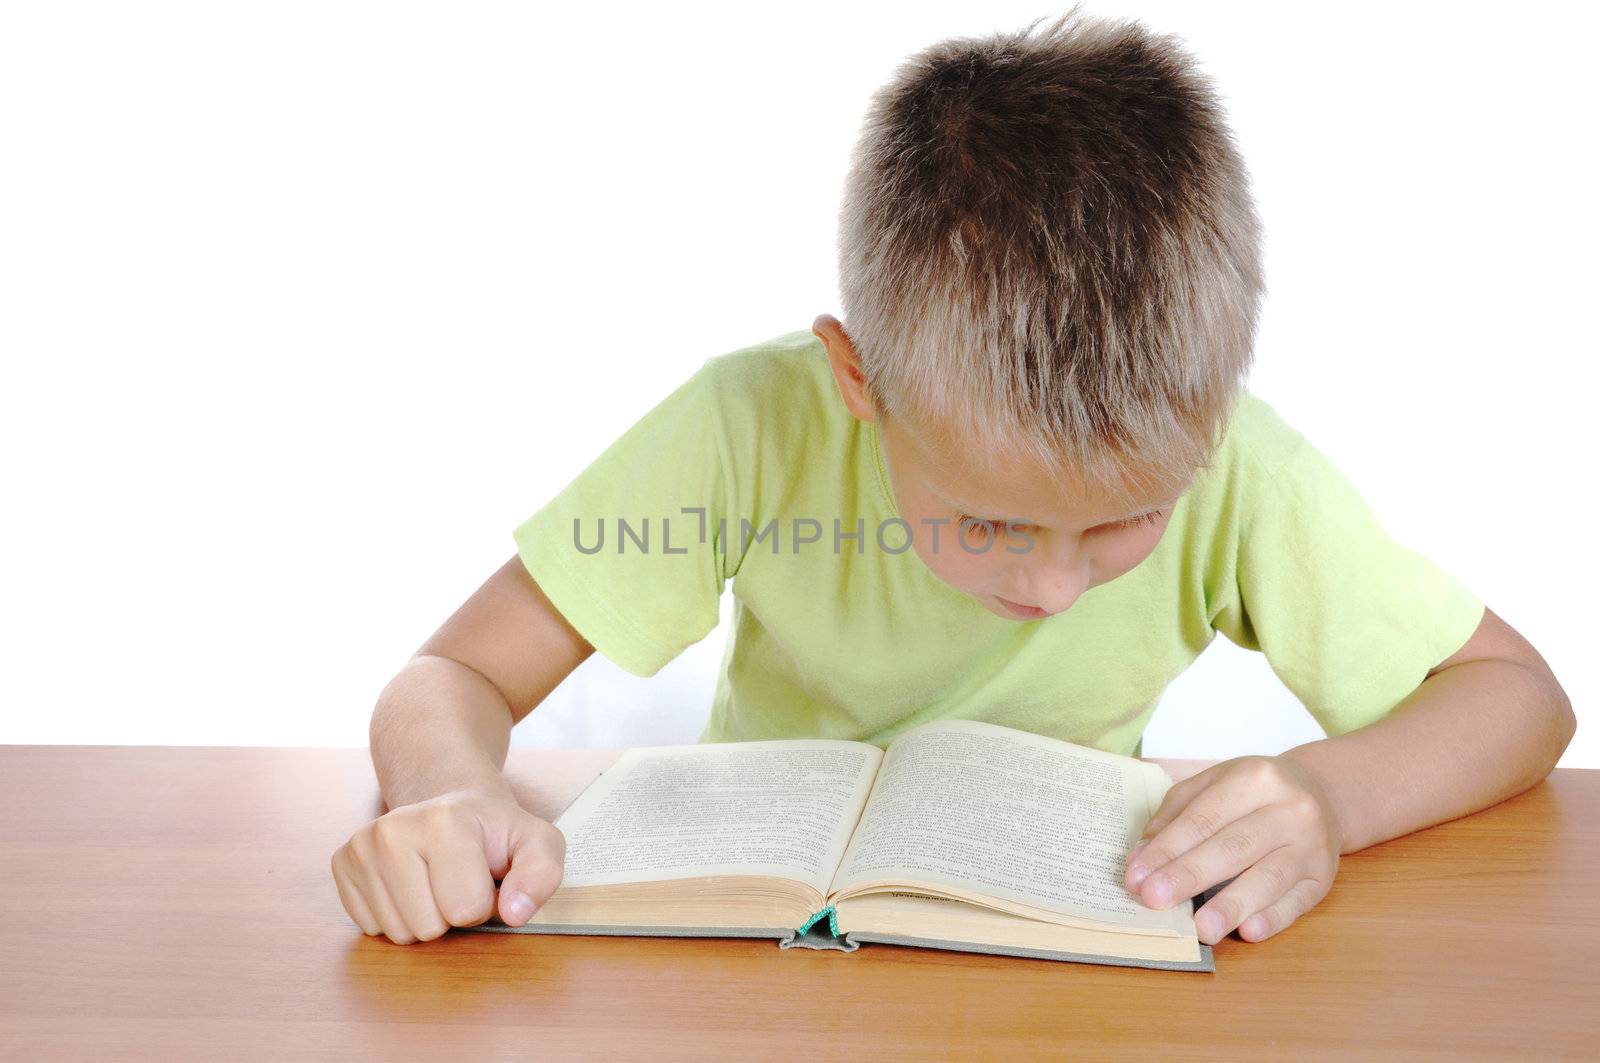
630, 550
1349, 619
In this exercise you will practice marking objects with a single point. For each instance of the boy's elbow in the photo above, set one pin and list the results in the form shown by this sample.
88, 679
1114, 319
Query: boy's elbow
1566, 723
1561, 724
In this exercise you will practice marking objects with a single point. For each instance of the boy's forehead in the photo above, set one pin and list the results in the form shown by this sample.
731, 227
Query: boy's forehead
1001, 483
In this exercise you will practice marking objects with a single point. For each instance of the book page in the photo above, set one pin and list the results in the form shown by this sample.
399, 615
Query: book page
1009, 815
779, 808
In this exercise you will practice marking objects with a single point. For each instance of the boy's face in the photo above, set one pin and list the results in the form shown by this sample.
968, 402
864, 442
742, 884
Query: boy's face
1058, 544
1061, 540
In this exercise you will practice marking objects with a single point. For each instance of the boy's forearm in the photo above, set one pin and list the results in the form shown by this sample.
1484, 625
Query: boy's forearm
1471, 735
439, 726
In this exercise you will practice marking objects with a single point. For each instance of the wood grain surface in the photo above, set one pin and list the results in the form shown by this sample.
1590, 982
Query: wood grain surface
176, 903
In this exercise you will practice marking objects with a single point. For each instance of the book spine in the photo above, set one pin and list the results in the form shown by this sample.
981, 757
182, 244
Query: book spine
814, 936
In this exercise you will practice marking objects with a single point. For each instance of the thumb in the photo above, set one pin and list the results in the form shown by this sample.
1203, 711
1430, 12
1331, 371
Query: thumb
534, 856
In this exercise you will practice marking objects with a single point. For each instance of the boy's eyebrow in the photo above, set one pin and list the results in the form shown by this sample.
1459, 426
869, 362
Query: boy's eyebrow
973, 510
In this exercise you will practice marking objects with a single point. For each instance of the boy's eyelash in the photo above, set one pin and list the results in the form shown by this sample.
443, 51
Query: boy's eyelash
990, 526
1148, 518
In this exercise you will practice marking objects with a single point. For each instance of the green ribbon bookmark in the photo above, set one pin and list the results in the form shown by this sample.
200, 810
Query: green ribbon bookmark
833, 921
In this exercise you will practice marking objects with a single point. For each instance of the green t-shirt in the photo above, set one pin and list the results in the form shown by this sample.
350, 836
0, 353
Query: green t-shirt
747, 471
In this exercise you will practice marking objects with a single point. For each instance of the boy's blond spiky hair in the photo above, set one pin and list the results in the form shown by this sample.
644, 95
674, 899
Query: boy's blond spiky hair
1047, 246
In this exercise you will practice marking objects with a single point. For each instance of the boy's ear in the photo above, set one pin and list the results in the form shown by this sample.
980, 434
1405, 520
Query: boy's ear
846, 366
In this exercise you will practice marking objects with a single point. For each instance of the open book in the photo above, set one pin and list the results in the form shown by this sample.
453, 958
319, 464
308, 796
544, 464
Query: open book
961, 835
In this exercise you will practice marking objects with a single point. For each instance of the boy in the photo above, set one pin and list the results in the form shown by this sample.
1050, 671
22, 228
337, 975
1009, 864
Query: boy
1026, 484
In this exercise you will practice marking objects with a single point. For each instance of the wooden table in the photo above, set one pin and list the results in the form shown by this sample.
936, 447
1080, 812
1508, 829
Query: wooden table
176, 903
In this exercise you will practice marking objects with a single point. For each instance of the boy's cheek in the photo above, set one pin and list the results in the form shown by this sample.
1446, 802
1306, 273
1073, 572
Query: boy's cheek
960, 572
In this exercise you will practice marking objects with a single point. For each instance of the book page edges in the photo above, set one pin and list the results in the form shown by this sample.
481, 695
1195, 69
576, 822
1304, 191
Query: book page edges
938, 919
707, 900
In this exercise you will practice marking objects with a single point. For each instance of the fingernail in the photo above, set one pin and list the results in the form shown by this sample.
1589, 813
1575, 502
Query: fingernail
519, 906
1160, 890
1209, 924
1137, 874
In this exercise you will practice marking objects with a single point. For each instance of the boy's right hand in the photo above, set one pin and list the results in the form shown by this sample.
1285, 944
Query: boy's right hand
420, 869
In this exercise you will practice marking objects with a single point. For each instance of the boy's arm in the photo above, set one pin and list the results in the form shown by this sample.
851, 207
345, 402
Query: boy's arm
1486, 723
439, 737
444, 722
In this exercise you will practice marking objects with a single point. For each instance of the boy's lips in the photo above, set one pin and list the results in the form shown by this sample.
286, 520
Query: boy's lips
1028, 612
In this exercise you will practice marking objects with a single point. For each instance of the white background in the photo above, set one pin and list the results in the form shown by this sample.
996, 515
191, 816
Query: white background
306, 305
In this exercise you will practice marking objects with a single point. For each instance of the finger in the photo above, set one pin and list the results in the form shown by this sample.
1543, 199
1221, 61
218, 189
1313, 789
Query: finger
354, 904
1176, 799
376, 894
405, 876
537, 855
1173, 802
1228, 799
1233, 849
458, 876
1300, 898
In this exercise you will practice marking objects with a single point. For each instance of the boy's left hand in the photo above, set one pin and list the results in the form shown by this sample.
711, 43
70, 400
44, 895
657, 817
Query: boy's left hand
1267, 820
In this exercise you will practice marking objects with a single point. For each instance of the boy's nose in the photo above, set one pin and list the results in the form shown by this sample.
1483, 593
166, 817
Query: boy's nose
1054, 590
